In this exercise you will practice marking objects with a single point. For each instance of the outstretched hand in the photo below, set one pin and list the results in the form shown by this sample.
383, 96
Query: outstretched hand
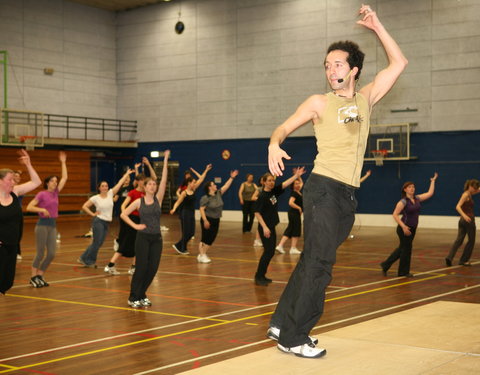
24, 157
369, 17
275, 162
434, 177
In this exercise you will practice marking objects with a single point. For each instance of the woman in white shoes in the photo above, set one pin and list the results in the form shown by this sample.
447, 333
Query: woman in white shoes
294, 228
102, 216
148, 242
11, 218
45, 204
211, 207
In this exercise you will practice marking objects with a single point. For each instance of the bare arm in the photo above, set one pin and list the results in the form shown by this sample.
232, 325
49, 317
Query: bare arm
195, 172
125, 203
86, 207
206, 223
163, 182
240, 192
227, 184
297, 173
366, 175
266, 231
291, 203
202, 177
153, 175
386, 78
33, 207
120, 182
63, 179
124, 215
430, 191
178, 202
396, 215
35, 180
309, 110
459, 205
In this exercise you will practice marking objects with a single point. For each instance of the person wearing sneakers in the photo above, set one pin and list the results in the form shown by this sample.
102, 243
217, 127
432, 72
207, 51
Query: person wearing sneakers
127, 235
266, 212
409, 209
341, 122
466, 224
17, 177
294, 228
185, 205
102, 216
261, 182
45, 204
211, 206
245, 194
148, 242
11, 218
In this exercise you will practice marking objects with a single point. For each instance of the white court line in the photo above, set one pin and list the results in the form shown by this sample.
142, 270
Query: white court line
321, 326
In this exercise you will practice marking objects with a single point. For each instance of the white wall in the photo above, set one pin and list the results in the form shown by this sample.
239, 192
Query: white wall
242, 66
78, 42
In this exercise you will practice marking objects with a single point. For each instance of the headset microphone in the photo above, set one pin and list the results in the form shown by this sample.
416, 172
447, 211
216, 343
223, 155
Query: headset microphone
340, 80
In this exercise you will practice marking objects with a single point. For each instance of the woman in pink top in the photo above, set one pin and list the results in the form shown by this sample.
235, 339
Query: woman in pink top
45, 204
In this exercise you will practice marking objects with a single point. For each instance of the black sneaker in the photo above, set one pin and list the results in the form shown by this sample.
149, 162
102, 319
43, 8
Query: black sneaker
262, 281
42, 281
35, 281
448, 262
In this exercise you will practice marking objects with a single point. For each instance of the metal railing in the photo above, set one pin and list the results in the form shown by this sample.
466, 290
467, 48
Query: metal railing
89, 128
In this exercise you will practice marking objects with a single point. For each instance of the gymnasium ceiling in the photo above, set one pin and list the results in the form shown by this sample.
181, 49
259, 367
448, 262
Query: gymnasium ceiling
117, 5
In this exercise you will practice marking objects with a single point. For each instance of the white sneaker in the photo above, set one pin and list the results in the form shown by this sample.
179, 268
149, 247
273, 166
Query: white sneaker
115, 244
19, 257
111, 270
294, 250
257, 243
164, 228
306, 350
273, 333
131, 271
203, 258
280, 249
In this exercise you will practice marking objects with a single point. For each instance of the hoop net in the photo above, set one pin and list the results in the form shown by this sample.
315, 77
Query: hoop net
379, 155
28, 141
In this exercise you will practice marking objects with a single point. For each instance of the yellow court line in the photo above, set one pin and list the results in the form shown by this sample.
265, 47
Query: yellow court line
117, 308
199, 328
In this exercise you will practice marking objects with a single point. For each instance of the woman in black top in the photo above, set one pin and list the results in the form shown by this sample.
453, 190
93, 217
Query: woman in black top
266, 212
185, 205
11, 218
148, 242
294, 228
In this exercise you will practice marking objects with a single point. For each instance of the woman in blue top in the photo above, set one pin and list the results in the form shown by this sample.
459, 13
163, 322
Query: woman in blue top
148, 242
409, 208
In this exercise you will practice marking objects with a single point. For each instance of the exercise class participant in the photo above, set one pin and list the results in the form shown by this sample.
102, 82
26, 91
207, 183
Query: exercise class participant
341, 121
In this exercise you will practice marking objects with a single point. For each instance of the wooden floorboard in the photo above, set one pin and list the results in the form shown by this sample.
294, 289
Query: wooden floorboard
201, 313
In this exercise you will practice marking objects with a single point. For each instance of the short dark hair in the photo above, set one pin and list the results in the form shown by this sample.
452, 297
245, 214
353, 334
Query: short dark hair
355, 55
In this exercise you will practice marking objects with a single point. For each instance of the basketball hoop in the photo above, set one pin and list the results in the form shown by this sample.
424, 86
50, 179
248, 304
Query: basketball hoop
379, 155
28, 141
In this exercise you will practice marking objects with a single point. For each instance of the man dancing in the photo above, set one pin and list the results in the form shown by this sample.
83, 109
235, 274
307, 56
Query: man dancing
341, 121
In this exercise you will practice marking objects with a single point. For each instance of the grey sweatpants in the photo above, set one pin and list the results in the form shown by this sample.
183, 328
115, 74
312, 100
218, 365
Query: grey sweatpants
45, 237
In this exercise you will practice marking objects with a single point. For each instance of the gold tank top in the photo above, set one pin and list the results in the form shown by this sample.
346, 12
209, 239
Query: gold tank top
341, 135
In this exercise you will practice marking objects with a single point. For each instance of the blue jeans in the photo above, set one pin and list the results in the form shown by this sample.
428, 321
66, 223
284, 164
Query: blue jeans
99, 230
329, 213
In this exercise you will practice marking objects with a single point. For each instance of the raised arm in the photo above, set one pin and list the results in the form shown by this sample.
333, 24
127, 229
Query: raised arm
366, 175
163, 181
227, 184
120, 182
62, 156
202, 177
195, 172
35, 180
137, 166
145, 161
386, 78
431, 189
297, 172
309, 110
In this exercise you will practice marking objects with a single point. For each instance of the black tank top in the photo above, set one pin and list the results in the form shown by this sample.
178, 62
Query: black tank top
189, 202
11, 221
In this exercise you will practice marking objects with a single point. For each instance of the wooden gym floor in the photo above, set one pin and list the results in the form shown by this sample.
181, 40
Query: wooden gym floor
212, 319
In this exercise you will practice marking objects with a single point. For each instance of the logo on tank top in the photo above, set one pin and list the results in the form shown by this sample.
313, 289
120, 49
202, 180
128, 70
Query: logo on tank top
347, 115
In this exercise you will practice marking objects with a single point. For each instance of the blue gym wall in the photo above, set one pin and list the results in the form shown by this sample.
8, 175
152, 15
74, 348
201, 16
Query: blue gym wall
454, 155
